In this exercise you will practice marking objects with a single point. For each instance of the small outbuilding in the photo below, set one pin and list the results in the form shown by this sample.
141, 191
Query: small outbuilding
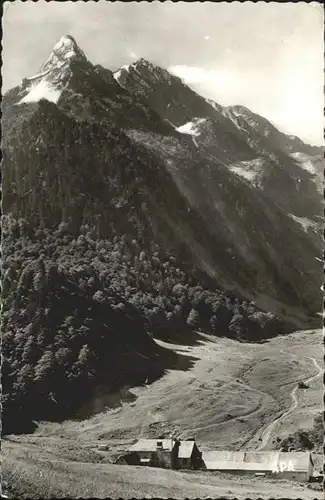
156, 452
168, 453
188, 455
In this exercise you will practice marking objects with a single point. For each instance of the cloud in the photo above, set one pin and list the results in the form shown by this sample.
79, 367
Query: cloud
204, 76
229, 87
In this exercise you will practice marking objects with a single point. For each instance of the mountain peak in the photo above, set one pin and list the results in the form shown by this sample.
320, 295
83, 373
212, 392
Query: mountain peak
143, 69
54, 74
142, 62
63, 51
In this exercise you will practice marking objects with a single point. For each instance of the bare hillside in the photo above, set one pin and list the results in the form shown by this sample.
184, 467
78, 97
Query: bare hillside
233, 391
228, 400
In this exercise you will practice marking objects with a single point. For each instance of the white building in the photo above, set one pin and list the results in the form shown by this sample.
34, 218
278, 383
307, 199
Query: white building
287, 465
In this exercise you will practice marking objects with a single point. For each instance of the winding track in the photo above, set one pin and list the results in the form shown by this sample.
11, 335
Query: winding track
266, 433
238, 417
268, 430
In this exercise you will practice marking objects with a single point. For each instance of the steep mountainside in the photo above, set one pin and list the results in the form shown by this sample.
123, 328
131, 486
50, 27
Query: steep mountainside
249, 254
122, 202
125, 186
60, 178
164, 92
284, 179
178, 105
276, 139
248, 143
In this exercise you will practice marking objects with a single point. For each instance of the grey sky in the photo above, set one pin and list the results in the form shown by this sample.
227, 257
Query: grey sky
266, 56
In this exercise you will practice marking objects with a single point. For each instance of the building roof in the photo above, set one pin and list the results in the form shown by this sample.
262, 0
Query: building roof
262, 457
236, 465
223, 456
185, 449
256, 460
151, 445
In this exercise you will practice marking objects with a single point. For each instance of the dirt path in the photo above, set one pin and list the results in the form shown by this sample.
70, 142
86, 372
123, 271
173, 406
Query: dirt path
240, 417
231, 381
268, 430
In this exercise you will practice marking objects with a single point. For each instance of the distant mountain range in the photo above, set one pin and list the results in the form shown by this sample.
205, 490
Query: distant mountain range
219, 185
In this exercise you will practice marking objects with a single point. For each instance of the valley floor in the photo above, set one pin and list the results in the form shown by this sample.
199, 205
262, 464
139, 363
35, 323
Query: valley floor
235, 396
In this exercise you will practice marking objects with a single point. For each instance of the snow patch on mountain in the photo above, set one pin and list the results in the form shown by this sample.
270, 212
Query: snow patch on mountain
191, 128
242, 172
42, 90
304, 162
250, 169
305, 223
118, 73
188, 128
54, 74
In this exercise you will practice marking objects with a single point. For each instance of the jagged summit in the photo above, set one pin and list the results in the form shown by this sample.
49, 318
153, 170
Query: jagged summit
142, 62
143, 71
54, 74
64, 50
137, 65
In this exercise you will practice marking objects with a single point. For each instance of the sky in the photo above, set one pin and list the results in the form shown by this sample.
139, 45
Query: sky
265, 56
